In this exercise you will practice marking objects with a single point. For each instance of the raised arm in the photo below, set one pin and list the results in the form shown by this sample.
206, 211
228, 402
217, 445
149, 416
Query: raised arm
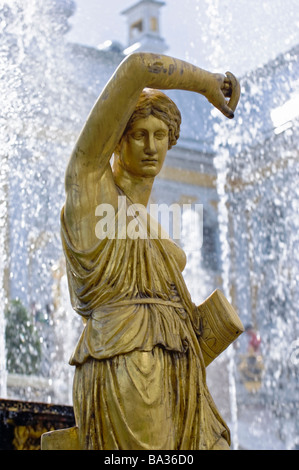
108, 118
111, 112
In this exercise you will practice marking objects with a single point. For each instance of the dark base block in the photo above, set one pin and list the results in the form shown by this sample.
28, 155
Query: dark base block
22, 423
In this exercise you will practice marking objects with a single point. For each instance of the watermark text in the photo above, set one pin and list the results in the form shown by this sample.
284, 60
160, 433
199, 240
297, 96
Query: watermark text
163, 221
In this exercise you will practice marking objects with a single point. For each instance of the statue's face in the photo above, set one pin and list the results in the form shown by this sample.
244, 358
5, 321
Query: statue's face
143, 150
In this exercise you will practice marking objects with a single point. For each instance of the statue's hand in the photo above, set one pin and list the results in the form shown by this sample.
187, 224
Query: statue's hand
223, 87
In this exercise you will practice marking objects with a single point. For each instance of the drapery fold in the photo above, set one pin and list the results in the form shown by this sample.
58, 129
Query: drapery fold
140, 377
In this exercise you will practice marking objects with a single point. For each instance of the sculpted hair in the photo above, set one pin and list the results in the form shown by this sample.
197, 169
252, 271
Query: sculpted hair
154, 102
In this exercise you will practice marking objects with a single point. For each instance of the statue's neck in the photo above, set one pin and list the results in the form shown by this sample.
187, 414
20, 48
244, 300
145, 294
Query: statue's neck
137, 188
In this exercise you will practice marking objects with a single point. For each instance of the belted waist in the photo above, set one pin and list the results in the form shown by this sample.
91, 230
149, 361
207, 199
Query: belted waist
143, 300
98, 313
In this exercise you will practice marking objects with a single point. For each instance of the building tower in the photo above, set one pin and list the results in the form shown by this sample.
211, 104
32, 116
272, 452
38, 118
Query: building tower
143, 27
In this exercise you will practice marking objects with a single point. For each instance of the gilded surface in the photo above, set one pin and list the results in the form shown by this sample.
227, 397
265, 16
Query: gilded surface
28, 437
140, 371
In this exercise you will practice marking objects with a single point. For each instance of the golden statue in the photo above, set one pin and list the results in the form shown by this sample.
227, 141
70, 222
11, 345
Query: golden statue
140, 362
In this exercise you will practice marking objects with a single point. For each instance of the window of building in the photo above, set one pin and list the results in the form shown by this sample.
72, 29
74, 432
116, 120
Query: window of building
136, 29
154, 23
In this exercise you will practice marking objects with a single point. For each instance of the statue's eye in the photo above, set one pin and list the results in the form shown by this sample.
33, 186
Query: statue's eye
160, 135
138, 135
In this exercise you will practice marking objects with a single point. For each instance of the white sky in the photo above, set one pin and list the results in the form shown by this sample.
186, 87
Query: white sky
245, 34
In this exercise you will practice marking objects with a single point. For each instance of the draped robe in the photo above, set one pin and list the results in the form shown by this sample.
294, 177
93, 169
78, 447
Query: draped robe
140, 380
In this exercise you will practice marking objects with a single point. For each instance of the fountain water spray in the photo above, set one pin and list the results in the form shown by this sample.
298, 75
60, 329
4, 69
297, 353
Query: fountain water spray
3, 259
220, 164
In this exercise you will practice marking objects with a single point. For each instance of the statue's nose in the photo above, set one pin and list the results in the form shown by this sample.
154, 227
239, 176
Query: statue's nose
150, 146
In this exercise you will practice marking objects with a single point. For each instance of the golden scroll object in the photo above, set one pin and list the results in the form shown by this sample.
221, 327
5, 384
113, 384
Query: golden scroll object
220, 325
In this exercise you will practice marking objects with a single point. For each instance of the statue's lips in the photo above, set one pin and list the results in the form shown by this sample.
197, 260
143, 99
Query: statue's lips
150, 160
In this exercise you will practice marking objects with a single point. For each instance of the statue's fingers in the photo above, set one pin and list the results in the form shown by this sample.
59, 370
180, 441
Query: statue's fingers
227, 111
236, 91
223, 106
